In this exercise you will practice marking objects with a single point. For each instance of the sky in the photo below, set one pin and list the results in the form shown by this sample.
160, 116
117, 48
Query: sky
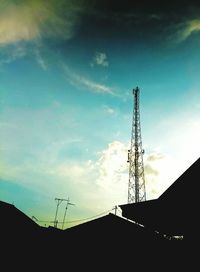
67, 70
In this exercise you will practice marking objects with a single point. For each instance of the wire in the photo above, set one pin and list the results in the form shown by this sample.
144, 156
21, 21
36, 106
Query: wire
85, 219
74, 221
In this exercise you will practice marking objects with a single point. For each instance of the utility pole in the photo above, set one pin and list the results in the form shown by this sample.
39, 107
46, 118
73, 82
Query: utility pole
59, 200
68, 203
136, 184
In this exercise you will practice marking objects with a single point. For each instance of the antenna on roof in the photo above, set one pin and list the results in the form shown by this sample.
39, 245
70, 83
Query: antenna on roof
59, 200
68, 203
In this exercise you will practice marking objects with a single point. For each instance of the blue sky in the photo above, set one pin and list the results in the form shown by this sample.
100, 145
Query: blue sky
67, 71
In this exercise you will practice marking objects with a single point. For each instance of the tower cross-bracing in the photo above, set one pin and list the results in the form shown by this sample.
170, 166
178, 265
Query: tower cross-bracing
136, 183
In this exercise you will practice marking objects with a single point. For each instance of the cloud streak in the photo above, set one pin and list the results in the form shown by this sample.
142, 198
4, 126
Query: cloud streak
109, 110
12, 55
84, 83
184, 30
191, 27
40, 60
34, 19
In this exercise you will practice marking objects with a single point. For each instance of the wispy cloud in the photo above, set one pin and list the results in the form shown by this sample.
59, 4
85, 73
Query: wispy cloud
108, 109
183, 30
85, 83
14, 54
33, 19
101, 59
40, 60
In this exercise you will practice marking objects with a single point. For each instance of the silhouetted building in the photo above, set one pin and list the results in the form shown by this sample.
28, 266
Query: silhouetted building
102, 242
175, 211
111, 242
13, 220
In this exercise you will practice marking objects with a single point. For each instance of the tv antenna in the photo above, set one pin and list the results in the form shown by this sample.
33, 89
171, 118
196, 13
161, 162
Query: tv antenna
59, 201
68, 203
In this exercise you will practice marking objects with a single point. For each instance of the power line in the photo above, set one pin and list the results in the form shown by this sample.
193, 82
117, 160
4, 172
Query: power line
77, 220
88, 218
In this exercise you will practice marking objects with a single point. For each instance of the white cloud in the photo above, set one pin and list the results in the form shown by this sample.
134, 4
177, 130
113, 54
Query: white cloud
95, 185
112, 172
33, 19
180, 130
85, 83
76, 172
34, 161
178, 142
104, 183
156, 167
100, 184
101, 59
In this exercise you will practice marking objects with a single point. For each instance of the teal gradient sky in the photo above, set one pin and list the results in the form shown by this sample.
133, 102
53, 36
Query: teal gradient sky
67, 70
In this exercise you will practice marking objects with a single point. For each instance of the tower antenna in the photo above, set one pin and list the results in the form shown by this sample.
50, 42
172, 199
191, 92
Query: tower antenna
136, 184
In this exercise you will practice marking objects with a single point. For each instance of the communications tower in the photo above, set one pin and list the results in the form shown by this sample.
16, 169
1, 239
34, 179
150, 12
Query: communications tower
136, 184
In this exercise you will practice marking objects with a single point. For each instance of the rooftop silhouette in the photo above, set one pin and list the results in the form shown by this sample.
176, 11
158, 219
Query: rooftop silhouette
110, 240
173, 212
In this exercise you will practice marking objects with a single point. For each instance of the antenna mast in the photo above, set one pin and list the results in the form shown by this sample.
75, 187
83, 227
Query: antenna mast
68, 203
59, 201
136, 184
